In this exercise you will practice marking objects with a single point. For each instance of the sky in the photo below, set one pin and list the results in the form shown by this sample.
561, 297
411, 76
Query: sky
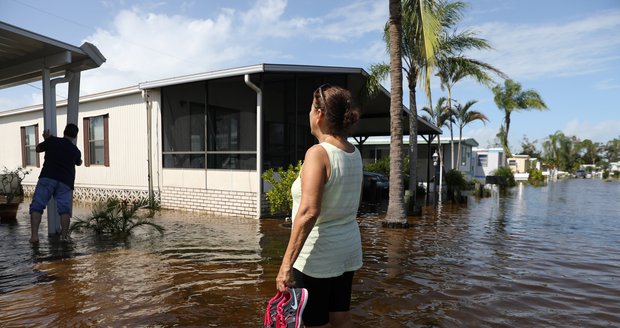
566, 50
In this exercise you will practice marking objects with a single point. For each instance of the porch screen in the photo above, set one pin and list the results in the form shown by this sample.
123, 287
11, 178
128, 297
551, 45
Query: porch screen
197, 133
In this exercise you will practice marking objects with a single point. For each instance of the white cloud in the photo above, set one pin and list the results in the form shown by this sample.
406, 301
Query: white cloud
485, 135
374, 53
601, 131
608, 84
354, 20
560, 49
142, 46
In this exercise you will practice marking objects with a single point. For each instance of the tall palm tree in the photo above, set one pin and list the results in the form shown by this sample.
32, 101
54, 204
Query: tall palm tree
511, 98
439, 116
421, 30
465, 115
396, 213
452, 69
452, 65
590, 151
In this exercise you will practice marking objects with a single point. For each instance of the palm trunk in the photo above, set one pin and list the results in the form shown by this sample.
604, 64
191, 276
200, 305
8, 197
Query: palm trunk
396, 214
413, 145
451, 133
505, 136
458, 157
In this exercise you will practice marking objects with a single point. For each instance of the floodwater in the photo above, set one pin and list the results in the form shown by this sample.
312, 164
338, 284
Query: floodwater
538, 257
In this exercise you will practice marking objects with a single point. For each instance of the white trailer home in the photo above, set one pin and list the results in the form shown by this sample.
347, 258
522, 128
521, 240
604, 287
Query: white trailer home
487, 161
196, 142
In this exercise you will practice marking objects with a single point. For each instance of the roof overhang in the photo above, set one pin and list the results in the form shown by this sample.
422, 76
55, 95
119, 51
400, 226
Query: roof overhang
24, 54
375, 119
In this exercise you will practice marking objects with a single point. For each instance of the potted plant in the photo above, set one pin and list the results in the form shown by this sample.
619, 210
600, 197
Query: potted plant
11, 192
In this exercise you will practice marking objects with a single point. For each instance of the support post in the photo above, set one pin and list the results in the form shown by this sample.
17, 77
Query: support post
73, 96
49, 123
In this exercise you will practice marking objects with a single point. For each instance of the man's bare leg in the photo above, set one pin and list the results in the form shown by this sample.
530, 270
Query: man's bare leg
65, 219
35, 221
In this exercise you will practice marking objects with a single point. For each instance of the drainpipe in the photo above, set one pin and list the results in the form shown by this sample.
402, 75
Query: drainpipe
259, 142
149, 147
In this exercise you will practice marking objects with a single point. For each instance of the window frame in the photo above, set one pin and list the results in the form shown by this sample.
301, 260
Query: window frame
25, 147
484, 163
87, 141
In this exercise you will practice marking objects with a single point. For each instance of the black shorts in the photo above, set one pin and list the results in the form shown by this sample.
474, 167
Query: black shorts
325, 295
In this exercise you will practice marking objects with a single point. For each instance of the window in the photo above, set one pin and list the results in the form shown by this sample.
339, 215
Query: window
30, 139
96, 145
482, 160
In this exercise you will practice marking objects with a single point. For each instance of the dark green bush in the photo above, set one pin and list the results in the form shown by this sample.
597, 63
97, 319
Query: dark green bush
455, 180
381, 166
536, 177
279, 198
505, 172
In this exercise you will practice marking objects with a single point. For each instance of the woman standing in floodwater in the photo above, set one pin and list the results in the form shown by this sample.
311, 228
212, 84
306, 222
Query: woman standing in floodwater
324, 248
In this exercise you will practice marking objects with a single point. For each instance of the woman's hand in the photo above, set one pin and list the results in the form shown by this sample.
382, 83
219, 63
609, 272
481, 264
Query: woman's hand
284, 278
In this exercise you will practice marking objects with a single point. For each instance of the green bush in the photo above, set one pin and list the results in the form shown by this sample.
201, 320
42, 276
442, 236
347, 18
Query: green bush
456, 183
536, 177
455, 180
505, 172
279, 198
605, 174
381, 166
117, 218
616, 174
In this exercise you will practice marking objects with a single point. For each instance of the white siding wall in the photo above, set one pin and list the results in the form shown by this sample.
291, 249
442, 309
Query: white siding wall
219, 192
125, 177
127, 140
10, 135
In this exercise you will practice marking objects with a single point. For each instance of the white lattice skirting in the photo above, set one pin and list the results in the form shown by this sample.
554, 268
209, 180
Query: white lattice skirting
101, 194
214, 202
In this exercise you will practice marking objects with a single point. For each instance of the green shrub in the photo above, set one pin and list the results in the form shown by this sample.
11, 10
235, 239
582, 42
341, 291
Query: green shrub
616, 174
455, 180
456, 183
536, 177
117, 218
605, 174
279, 198
381, 166
505, 172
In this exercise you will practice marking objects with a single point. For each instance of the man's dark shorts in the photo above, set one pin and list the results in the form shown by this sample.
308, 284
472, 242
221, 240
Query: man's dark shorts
45, 189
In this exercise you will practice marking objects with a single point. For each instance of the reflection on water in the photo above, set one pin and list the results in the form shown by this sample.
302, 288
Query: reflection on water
537, 257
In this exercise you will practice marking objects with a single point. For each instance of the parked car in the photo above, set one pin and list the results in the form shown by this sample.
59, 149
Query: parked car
580, 174
375, 188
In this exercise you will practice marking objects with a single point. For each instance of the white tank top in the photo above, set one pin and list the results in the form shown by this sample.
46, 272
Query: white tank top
334, 245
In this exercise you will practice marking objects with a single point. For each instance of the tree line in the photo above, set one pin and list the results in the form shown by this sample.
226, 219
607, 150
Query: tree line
569, 153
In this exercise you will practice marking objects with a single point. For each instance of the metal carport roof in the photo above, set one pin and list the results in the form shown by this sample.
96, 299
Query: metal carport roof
23, 55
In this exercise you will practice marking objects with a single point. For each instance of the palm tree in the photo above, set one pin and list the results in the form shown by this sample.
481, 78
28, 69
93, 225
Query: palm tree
419, 40
440, 115
590, 151
452, 65
561, 151
396, 213
464, 115
511, 98
452, 69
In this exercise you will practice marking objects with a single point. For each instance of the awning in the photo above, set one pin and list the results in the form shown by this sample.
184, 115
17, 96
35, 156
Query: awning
23, 55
